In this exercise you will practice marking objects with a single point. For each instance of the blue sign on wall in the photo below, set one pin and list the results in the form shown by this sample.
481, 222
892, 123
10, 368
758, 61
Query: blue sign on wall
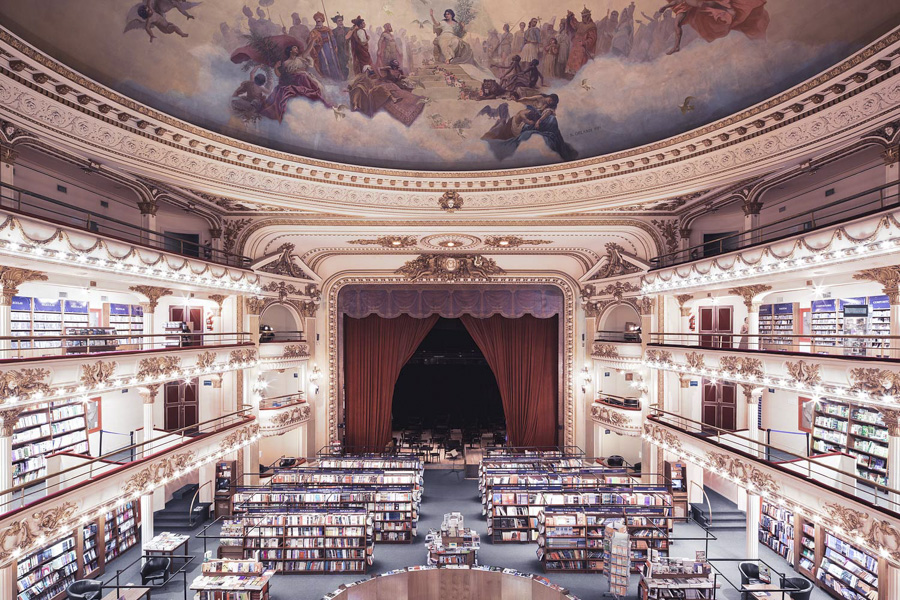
765, 310
784, 309
119, 309
47, 305
21, 303
845, 301
76, 306
694, 383
207, 383
823, 305
879, 302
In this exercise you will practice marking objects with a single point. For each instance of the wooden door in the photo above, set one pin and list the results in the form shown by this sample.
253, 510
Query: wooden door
724, 324
719, 405
707, 326
181, 406
716, 324
195, 321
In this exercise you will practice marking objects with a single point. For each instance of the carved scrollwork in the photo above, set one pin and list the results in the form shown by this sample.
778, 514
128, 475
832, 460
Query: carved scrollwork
255, 305
616, 264
153, 474
450, 267
743, 471
682, 298
749, 293
695, 360
663, 436
206, 360
295, 416
98, 373
158, 366
242, 356
239, 436
878, 382
24, 532
614, 419
23, 383
804, 372
284, 264
659, 356
600, 350
874, 532
295, 351
741, 365
152, 293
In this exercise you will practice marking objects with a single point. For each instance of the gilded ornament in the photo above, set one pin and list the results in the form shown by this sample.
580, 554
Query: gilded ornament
749, 293
295, 351
158, 367
888, 277
450, 201
153, 475
255, 305
600, 350
97, 373
512, 241
388, 241
612, 418
804, 372
12, 277
242, 356
284, 263
668, 229
9, 418
23, 533
877, 382
231, 231
682, 298
616, 264
23, 383
874, 532
450, 267
152, 293
206, 360
695, 360
660, 356
744, 472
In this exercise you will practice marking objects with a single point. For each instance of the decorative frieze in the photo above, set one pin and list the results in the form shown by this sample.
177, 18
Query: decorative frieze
296, 351
749, 293
888, 277
23, 383
682, 298
804, 372
33, 526
878, 382
98, 373
205, 360
600, 350
744, 472
244, 355
153, 474
450, 267
615, 420
157, 367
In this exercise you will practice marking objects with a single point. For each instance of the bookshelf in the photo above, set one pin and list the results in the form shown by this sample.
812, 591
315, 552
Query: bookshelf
94, 340
231, 539
120, 529
224, 481
126, 319
845, 571
90, 550
879, 324
825, 320
676, 478
776, 530
311, 541
46, 428
562, 540
232, 580
616, 563
776, 320
45, 574
855, 430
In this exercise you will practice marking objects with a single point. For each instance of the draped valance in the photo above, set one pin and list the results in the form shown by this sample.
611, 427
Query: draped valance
541, 301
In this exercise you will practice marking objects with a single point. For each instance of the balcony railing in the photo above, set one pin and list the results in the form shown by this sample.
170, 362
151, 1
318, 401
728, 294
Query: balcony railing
73, 346
266, 337
618, 336
285, 401
89, 469
857, 205
30, 203
856, 346
817, 470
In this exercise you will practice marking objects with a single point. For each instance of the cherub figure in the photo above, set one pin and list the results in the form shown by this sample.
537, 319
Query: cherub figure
151, 13
714, 19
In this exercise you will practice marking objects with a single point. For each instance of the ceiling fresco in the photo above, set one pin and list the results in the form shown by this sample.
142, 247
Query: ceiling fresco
455, 85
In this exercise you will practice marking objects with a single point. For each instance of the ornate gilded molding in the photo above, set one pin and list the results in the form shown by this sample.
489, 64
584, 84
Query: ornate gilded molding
879, 382
450, 267
388, 241
804, 372
231, 232
645, 306
244, 355
614, 419
669, 231
888, 277
93, 375
450, 201
891, 418
742, 366
615, 263
23, 383
663, 437
284, 263
219, 299
152, 293
239, 436
206, 360
873, 531
284, 419
10, 280
296, 351
153, 474
659, 356
695, 360
682, 298
158, 366
600, 350
9, 417
512, 241
744, 472
749, 293
618, 289
24, 532
255, 305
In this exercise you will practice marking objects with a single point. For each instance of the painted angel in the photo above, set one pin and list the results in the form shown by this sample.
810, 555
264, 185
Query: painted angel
152, 13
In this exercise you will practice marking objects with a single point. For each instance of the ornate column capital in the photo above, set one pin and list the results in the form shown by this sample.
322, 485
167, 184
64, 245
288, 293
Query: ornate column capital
219, 299
891, 155
681, 299
684, 381
148, 207
215, 233
152, 293
8, 155
255, 305
149, 308
148, 393
8, 419
752, 394
645, 306
749, 293
12, 277
751, 207
888, 277
891, 417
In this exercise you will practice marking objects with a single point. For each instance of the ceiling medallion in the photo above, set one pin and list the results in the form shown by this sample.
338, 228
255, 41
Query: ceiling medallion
388, 241
449, 241
512, 241
450, 267
450, 201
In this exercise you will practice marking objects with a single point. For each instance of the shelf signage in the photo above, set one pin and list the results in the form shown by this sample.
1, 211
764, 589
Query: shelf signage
823, 306
46, 305
784, 309
137, 310
119, 309
880, 302
765, 310
846, 301
76, 306
856, 310
21, 303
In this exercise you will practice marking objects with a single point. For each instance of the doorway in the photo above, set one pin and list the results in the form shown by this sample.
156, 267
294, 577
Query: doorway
193, 316
181, 406
715, 322
719, 406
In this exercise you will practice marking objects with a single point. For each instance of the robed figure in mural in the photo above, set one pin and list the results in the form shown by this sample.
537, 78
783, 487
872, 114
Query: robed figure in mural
537, 118
449, 47
294, 81
324, 50
359, 45
714, 20
583, 40
343, 45
387, 48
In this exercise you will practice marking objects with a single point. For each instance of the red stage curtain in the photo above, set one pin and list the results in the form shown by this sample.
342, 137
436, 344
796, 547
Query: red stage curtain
375, 349
523, 355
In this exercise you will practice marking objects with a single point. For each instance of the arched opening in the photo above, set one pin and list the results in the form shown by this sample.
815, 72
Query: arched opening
277, 322
620, 323
447, 388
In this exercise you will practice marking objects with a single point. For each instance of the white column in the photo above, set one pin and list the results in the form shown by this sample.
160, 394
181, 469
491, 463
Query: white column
752, 396
892, 422
149, 324
148, 223
8, 158
5, 320
146, 519
888, 579
753, 325
895, 325
891, 156
206, 476
8, 580
753, 510
148, 395
751, 221
8, 419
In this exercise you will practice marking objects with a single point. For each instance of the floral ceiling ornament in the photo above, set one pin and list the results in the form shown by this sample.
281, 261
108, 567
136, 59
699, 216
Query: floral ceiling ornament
616, 264
878, 382
749, 293
93, 375
804, 372
450, 267
879, 535
158, 366
152, 293
668, 229
283, 289
682, 299
153, 474
743, 471
512, 241
206, 360
23, 533
284, 263
450, 201
388, 241
888, 277
600, 350
23, 383
12, 277
695, 360
232, 231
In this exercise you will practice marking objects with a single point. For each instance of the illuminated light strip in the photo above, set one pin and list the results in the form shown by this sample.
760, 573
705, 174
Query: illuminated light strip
118, 502
819, 392
112, 265
84, 391
769, 264
812, 515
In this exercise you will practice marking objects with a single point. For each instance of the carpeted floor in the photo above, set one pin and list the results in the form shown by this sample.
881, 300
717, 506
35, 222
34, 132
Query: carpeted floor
446, 492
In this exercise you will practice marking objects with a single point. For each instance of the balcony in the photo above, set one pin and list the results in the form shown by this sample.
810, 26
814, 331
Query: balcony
35, 379
838, 345
816, 487
41, 238
618, 349
620, 415
841, 232
282, 350
280, 414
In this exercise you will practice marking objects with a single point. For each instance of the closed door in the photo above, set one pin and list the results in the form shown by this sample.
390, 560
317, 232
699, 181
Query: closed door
193, 316
182, 408
719, 407
716, 323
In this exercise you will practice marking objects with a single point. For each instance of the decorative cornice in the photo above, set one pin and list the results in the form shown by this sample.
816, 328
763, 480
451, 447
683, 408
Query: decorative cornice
615, 420
749, 293
888, 277
450, 267
744, 472
877, 382
450, 201
156, 472
152, 293
11, 278
388, 241
284, 420
513, 241
158, 366
244, 355
295, 351
600, 350
872, 531
284, 264
98, 373
804, 372
9, 418
742, 366
255, 305
682, 298
23, 383
24, 532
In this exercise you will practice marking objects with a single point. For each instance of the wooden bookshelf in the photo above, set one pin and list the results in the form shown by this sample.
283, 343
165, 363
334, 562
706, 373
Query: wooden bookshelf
776, 530
855, 430
56, 426
225, 481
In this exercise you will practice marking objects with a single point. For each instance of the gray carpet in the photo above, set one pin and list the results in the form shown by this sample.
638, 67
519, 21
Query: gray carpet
444, 492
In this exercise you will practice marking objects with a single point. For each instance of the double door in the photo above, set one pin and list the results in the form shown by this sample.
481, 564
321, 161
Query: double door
719, 406
716, 325
193, 316
181, 406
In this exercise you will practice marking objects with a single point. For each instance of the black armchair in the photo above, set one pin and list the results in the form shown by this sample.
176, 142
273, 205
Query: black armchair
155, 568
84, 589
804, 587
749, 570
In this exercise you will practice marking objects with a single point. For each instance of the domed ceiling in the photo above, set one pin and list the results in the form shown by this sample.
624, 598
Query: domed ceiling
459, 92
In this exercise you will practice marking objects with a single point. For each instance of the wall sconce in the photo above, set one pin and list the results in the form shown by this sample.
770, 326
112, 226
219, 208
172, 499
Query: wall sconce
314, 375
586, 378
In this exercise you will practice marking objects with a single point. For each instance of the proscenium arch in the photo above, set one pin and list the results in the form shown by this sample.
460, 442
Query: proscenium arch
567, 398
